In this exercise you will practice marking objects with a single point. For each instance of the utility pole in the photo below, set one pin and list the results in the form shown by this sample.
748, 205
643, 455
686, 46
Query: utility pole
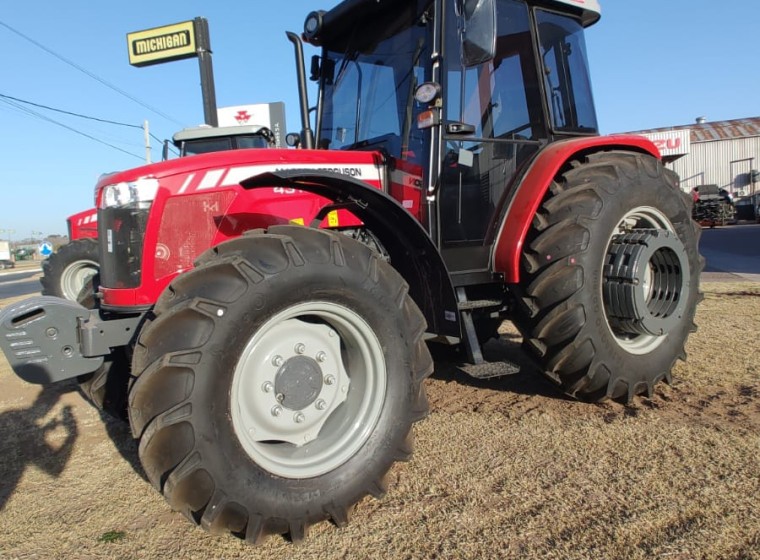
146, 130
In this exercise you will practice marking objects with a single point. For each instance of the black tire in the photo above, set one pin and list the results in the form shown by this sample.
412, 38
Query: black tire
194, 360
65, 272
575, 308
107, 387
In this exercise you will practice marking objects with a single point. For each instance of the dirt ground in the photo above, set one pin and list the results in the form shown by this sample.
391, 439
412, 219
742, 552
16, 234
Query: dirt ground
505, 468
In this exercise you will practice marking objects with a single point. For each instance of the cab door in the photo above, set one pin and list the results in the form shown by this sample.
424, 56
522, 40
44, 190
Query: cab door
493, 124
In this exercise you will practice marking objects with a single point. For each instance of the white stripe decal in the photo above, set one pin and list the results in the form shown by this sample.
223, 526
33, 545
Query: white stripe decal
211, 179
186, 183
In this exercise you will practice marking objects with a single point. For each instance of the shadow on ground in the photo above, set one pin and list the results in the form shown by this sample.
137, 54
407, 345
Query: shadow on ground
24, 439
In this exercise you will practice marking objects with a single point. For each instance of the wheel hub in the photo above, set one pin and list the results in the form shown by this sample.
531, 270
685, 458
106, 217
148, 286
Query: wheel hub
294, 380
645, 282
298, 382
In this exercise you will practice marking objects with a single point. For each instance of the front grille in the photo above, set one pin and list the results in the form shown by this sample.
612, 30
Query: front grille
121, 234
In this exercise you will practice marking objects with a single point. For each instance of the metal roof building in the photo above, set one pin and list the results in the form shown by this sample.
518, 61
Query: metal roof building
723, 153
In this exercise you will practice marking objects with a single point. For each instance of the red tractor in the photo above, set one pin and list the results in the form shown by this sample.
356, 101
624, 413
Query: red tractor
67, 271
273, 371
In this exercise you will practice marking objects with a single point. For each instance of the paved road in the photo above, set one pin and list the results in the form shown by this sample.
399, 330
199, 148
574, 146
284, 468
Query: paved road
732, 252
20, 281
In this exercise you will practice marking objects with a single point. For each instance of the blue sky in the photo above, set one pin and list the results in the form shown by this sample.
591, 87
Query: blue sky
654, 63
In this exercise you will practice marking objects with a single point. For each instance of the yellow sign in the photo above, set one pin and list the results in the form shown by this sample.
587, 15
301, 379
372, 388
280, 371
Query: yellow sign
162, 44
332, 218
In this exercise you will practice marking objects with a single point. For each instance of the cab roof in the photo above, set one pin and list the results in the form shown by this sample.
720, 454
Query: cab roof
203, 132
590, 10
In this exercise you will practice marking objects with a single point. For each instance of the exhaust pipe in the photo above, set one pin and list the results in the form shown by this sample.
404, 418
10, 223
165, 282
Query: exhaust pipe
307, 135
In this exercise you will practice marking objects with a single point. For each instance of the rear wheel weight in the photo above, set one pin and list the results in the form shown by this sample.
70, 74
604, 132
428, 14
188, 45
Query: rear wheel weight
609, 290
290, 402
644, 289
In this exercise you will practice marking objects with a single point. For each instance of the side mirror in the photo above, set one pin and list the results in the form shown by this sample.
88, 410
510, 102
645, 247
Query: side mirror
479, 31
293, 139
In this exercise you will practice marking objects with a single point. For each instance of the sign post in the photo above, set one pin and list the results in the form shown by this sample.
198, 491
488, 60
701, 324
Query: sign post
203, 40
178, 41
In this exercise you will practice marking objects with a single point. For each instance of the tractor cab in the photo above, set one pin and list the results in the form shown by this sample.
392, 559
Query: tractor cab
458, 95
206, 139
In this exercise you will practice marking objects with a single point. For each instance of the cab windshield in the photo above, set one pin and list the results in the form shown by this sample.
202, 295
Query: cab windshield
369, 89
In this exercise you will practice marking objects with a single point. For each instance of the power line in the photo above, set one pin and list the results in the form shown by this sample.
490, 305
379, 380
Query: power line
48, 119
67, 112
90, 74
73, 114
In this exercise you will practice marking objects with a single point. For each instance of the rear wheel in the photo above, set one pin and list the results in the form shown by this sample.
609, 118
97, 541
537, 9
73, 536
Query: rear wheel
610, 277
66, 272
278, 382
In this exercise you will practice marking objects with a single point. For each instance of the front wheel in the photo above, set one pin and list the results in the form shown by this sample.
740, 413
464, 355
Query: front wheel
278, 382
611, 277
67, 271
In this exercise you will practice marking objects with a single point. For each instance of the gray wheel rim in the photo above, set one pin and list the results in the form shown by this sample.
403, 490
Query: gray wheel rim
642, 217
75, 276
308, 389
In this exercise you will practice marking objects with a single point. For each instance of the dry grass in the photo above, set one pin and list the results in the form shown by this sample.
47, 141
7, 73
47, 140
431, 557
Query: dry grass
503, 469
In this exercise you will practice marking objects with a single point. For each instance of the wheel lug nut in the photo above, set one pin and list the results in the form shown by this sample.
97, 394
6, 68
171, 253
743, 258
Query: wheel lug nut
277, 361
321, 357
300, 348
299, 418
267, 387
276, 411
320, 404
330, 380
280, 397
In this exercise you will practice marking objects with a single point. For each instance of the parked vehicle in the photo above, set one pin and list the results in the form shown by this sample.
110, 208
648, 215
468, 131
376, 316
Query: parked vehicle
713, 206
273, 371
6, 260
67, 271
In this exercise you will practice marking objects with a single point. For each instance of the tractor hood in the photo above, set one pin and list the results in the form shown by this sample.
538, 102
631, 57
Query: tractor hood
227, 169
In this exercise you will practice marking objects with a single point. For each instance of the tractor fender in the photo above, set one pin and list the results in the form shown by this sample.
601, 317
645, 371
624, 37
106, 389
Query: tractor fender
409, 246
534, 184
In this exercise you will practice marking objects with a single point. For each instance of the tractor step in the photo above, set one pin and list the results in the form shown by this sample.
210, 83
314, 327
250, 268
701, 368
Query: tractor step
479, 304
487, 370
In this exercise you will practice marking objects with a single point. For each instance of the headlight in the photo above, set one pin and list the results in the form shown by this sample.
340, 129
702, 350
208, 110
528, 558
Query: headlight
132, 193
